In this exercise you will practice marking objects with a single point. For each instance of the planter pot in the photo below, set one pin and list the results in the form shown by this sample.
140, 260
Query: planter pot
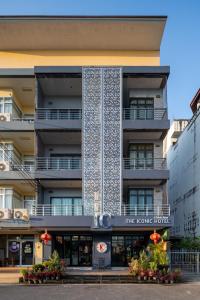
36, 281
145, 278
139, 278
171, 281
58, 277
166, 281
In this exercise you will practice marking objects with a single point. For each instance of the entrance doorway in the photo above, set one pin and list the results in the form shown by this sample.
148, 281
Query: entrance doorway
20, 252
124, 247
76, 250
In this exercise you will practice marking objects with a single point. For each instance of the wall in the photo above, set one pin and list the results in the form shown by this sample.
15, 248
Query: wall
62, 102
151, 93
183, 187
48, 193
29, 59
61, 149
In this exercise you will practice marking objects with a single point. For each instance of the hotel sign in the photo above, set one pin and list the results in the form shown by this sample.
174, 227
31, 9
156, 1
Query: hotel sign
149, 220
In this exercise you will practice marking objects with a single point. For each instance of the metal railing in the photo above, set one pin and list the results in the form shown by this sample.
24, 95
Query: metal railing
46, 163
145, 164
57, 210
144, 113
146, 210
27, 120
22, 167
58, 114
186, 261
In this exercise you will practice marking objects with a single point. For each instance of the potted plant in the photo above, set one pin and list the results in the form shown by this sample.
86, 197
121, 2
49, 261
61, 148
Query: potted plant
24, 273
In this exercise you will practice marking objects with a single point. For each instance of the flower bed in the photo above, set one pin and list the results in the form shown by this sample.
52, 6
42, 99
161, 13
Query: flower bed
153, 266
41, 273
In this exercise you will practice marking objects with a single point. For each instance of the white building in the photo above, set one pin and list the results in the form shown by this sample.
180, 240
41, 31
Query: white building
183, 158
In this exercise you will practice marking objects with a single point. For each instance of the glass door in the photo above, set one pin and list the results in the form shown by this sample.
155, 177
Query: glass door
20, 252
27, 253
85, 251
118, 251
75, 251
14, 252
142, 108
141, 156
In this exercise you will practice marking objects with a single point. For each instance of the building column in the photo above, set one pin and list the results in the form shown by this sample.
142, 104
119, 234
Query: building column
102, 140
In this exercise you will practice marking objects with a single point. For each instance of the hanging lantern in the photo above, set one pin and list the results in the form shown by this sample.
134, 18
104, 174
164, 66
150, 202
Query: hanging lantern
155, 237
45, 237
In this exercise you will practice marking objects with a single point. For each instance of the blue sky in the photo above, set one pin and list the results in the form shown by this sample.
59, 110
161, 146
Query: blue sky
180, 46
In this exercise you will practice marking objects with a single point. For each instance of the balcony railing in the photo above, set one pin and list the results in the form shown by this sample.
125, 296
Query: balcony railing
22, 167
145, 164
56, 210
25, 120
146, 210
44, 163
144, 113
78, 210
58, 114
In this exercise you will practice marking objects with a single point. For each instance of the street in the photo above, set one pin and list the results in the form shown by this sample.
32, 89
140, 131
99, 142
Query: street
98, 292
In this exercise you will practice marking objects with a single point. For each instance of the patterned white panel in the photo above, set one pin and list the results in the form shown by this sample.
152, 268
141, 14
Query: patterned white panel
102, 139
91, 137
112, 139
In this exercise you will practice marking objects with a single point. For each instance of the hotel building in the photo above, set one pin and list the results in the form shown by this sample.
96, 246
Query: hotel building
83, 116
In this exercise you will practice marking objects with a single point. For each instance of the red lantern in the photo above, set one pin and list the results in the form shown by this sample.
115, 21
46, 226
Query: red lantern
45, 237
155, 237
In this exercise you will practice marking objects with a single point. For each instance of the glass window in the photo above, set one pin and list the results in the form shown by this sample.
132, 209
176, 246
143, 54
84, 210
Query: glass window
141, 108
140, 201
66, 206
141, 156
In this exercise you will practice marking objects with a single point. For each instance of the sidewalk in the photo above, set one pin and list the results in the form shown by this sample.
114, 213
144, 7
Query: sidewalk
9, 277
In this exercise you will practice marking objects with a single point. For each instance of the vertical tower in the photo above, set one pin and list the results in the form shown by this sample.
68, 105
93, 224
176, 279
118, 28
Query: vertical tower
102, 140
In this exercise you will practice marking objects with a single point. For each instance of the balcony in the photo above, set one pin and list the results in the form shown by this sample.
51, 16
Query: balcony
10, 170
8, 123
145, 119
48, 167
145, 169
58, 119
147, 211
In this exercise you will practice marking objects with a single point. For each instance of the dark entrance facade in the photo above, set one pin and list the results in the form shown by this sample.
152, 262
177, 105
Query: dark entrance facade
76, 249
81, 250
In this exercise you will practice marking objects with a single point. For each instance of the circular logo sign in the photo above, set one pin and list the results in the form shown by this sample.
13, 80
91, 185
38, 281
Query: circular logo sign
102, 247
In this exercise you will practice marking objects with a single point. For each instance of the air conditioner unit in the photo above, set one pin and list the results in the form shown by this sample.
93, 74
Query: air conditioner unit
5, 117
21, 214
4, 165
5, 214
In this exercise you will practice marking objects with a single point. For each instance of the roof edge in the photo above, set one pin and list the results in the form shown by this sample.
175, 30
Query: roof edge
71, 17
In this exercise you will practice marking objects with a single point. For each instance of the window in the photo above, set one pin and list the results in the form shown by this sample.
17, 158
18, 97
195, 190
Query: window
6, 105
66, 206
140, 201
141, 108
141, 156
6, 196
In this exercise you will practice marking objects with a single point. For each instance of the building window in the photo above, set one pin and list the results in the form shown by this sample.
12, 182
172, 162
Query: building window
66, 206
142, 108
6, 196
5, 105
140, 201
141, 156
